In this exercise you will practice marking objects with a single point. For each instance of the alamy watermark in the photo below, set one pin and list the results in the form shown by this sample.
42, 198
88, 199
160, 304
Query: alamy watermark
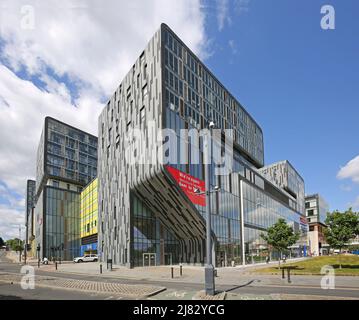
328, 20
28, 280
328, 281
192, 146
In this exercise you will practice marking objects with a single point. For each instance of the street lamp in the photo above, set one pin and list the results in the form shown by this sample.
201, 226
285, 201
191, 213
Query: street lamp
209, 269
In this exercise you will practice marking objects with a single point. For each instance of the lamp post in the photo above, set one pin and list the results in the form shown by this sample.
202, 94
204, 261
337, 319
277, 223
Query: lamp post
26, 236
20, 250
209, 268
61, 251
38, 251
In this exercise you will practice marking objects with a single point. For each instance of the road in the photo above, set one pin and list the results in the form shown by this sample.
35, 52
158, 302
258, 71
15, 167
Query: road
253, 287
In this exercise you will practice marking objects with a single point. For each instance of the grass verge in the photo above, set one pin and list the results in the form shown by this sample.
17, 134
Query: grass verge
313, 266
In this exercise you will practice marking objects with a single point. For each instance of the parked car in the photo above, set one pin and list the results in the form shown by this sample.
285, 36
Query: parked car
86, 258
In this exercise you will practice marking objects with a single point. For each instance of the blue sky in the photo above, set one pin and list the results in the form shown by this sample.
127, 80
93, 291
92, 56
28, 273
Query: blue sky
298, 81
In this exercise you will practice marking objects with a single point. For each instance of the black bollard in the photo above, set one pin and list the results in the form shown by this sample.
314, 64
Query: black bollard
172, 272
101, 268
288, 272
56, 265
283, 275
181, 270
38, 263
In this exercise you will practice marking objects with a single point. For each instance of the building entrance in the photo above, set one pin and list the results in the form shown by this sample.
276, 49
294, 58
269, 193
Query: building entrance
221, 259
149, 259
168, 259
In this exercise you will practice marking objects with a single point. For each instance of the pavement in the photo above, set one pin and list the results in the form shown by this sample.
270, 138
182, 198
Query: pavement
235, 283
241, 276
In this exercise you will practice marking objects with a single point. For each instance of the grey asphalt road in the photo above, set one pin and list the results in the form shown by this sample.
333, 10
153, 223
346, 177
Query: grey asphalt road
252, 288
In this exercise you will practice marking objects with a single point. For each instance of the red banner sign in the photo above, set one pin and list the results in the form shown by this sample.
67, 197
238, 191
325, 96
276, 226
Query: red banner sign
188, 184
303, 220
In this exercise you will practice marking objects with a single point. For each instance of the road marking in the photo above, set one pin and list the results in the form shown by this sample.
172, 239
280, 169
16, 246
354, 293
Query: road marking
304, 287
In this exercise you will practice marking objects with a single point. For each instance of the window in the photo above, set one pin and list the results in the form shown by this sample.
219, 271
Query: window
145, 71
142, 115
68, 186
55, 184
310, 212
144, 91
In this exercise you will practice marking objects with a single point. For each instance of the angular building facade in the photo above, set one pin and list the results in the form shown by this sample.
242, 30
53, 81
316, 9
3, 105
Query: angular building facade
149, 212
66, 162
284, 175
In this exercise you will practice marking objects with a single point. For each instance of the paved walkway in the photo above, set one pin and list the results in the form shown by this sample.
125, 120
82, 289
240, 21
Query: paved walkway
127, 290
237, 276
230, 279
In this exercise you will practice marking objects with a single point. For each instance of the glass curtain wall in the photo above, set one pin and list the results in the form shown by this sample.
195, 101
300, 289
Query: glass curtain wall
62, 224
153, 244
261, 212
71, 154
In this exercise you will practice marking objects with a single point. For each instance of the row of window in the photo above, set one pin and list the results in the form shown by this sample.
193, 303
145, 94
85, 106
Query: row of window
222, 109
71, 133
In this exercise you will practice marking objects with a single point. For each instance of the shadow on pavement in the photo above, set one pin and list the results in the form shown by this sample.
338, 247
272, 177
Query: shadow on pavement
3, 297
242, 285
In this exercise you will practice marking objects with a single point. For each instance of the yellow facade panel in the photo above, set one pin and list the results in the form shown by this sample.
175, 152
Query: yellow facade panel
89, 209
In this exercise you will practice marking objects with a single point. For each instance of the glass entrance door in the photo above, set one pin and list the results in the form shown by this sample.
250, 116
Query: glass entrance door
149, 259
168, 259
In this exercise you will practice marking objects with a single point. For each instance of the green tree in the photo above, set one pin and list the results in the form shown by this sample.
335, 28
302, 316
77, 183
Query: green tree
15, 244
2, 242
280, 236
342, 227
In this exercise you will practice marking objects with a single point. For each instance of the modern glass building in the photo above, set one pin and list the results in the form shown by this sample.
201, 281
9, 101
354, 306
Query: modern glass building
66, 162
316, 209
89, 218
149, 213
284, 175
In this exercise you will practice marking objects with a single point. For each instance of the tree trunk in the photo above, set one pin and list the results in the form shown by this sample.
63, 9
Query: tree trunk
280, 257
340, 258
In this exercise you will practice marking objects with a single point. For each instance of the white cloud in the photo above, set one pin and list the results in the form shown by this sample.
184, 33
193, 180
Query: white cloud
355, 204
233, 46
89, 44
350, 170
223, 16
11, 219
345, 188
91, 41
21, 123
241, 6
